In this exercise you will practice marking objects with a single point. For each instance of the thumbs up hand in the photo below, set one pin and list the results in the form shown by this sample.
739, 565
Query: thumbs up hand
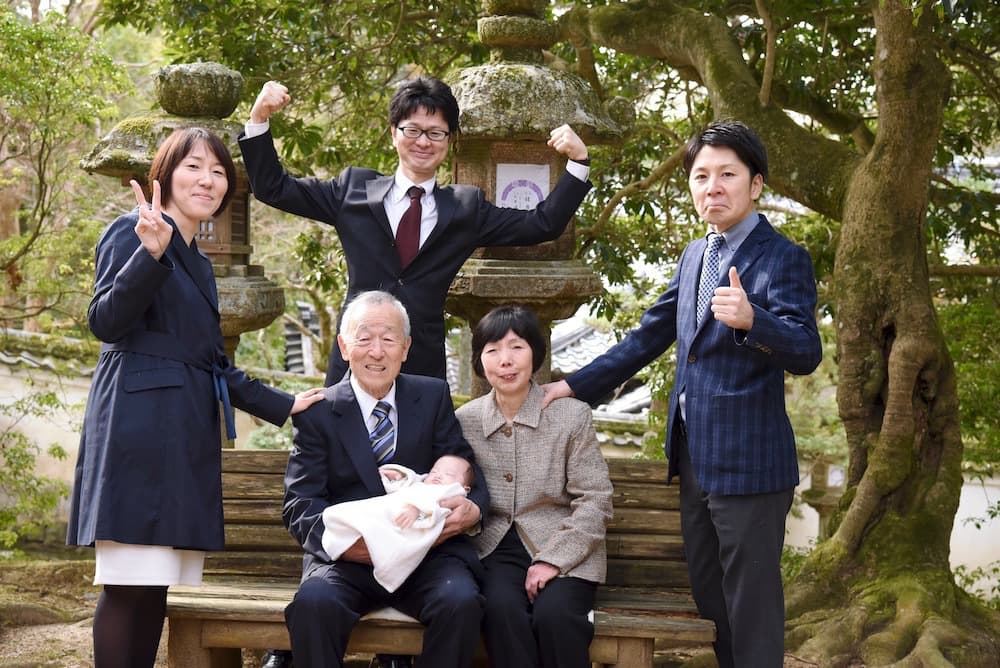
730, 305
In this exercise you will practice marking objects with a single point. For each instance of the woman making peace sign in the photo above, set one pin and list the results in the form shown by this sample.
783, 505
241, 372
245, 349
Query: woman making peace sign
148, 490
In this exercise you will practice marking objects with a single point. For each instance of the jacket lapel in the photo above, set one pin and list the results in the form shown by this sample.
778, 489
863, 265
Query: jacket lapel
446, 207
752, 247
352, 432
408, 407
376, 191
190, 259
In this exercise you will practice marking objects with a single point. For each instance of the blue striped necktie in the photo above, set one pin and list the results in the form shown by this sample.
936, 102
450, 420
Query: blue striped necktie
709, 275
383, 436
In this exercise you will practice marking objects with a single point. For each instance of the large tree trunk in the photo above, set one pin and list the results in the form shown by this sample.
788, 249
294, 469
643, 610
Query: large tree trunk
881, 588
880, 591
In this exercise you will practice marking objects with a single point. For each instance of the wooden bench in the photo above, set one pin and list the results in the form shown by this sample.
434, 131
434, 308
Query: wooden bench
645, 602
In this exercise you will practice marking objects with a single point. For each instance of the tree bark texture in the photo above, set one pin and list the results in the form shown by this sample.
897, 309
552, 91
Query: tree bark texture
880, 590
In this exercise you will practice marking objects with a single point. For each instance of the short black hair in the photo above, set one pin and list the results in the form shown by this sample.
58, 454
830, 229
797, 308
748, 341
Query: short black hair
428, 93
175, 148
494, 326
730, 134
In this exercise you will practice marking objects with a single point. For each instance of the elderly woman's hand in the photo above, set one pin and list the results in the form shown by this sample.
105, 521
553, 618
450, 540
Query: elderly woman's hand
538, 576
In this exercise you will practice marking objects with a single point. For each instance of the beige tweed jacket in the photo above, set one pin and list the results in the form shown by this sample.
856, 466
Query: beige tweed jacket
546, 475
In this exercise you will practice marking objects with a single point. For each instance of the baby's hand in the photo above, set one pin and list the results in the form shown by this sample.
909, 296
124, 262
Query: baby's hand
406, 518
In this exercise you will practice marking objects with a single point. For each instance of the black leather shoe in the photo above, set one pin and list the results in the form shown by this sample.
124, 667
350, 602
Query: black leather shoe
277, 658
391, 661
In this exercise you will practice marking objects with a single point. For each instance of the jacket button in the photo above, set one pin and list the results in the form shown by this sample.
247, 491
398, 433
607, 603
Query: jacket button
508, 477
507, 431
692, 359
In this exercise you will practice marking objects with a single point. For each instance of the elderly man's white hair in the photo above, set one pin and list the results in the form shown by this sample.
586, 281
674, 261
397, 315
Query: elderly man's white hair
361, 302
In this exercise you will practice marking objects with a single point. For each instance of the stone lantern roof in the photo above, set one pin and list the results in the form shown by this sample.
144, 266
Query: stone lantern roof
191, 94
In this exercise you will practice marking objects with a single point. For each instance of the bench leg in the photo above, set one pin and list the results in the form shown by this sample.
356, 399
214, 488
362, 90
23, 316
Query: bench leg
634, 653
184, 648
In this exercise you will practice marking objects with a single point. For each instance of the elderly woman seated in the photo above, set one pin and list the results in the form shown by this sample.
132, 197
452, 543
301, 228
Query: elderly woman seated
542, 544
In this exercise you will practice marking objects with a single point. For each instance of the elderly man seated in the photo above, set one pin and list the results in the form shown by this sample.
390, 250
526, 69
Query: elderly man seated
376, 416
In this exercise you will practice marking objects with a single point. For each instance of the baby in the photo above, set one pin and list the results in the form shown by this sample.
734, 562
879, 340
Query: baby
447, 469
401, 526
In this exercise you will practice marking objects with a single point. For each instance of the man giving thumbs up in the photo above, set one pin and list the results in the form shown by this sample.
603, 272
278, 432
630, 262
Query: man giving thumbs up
728, 436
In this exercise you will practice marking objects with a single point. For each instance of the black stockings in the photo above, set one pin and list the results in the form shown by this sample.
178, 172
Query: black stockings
128, 622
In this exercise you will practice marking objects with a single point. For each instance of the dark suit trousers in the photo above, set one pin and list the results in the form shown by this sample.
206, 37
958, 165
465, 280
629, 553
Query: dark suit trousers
442, 593
554, 632
733, 549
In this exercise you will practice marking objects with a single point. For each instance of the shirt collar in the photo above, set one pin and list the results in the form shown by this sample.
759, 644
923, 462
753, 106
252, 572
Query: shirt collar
401, 183
529, 414
366, 402
738, 233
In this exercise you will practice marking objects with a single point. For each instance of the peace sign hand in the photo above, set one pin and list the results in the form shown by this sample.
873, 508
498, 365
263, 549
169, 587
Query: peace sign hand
152, 230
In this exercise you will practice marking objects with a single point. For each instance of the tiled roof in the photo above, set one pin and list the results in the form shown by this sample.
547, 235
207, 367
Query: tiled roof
575, 344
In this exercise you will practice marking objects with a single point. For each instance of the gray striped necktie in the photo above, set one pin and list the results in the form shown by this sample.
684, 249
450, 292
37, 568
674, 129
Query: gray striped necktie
709, 275
383, 436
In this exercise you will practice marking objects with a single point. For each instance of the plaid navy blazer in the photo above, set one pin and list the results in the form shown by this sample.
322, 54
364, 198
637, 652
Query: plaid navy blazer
739, 436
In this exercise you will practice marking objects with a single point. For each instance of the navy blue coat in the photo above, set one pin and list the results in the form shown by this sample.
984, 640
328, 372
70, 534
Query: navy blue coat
332, 461
739, 436
148, 470
353, 204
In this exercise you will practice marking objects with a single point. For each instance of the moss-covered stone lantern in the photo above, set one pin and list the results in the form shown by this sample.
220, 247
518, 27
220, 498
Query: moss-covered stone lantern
508, 107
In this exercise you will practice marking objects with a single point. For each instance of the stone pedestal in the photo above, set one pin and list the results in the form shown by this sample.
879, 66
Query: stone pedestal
553, 289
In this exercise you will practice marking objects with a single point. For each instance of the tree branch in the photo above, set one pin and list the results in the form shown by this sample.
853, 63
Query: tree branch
984, 270
769, 56
805, 166
655, 176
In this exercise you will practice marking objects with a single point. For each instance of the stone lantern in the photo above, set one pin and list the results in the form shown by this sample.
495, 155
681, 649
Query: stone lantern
202, 95
508, 107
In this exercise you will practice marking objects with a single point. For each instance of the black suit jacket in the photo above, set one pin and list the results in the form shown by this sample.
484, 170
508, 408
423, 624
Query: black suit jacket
353, 204
332, 462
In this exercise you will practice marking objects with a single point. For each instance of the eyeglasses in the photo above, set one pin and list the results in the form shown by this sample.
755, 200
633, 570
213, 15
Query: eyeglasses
413, 132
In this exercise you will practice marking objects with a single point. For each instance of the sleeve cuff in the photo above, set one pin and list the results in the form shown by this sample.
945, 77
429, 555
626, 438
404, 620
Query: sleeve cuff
579, 168
252, 130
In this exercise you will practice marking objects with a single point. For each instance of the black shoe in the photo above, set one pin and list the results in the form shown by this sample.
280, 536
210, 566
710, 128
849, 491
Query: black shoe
277, 658
391, 661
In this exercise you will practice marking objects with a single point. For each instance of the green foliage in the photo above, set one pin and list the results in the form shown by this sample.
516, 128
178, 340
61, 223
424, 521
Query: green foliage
812, 407
59, 85
971, 579
339, 60
969, 328
792, 561
263, 348
29, 499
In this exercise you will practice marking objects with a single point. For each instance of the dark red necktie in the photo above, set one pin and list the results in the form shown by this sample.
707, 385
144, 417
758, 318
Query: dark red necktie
408, 232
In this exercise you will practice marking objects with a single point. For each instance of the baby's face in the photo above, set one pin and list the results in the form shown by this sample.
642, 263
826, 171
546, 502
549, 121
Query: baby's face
448, 470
